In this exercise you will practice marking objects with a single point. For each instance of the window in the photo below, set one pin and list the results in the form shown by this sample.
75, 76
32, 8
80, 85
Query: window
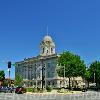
60, 82
43, 50
49, 83
51, 50
47, 51
39, 75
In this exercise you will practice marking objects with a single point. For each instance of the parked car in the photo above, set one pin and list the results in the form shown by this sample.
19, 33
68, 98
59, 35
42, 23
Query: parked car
12, 89
7, 89
20, 90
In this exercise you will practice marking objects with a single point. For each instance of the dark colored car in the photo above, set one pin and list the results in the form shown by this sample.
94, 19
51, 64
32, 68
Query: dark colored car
7, 89
3, 89
20, 90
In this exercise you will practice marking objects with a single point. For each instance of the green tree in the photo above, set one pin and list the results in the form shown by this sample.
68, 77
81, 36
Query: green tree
74, 66
87, 76
2, 75
5, 82
95, 72
18, 80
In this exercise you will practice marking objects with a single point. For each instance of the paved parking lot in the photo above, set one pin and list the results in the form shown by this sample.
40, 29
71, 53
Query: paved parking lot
83, 96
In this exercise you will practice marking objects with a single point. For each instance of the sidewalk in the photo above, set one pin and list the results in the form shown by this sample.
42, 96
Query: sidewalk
55, 92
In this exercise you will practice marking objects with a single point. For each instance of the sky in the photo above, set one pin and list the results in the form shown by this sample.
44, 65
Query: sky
74, 25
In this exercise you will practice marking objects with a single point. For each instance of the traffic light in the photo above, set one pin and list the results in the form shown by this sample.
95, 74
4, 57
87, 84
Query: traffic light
9, 64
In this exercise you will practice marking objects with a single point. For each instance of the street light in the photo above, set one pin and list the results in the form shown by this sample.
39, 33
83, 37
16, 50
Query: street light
43, 76
64, 75
9, 76
94, 77
36, 74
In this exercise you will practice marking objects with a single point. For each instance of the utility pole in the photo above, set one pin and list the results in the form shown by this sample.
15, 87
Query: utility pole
64, 76
9, 74
8, 77
9, 66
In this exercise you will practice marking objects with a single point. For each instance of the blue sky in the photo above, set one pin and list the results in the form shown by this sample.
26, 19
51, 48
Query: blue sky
73, 24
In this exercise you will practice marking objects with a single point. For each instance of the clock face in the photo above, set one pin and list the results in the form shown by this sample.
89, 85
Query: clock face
46, 47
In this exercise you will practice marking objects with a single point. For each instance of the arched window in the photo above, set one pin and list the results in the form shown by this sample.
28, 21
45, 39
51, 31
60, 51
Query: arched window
51, 50
43, 50
47, 51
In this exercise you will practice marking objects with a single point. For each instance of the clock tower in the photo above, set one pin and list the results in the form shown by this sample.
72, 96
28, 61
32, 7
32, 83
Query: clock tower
47, 46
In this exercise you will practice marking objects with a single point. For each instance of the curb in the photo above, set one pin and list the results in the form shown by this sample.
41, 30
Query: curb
54, 93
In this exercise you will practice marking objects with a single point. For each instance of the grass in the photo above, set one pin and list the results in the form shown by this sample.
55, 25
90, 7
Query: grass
29, 89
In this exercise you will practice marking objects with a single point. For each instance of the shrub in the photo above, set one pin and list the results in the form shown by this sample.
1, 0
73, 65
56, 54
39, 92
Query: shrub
49, 89
29, 89
38, 89
34, 90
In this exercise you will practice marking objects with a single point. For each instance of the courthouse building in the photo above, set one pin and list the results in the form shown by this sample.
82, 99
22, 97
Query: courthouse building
31, 68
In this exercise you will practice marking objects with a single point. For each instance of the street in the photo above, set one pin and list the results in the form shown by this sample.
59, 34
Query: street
82, 96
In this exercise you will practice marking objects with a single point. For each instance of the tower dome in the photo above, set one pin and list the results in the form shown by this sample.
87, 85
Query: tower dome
47, 38
47, 46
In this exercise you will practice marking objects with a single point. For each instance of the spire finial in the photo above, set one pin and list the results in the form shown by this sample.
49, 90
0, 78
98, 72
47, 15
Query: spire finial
47, 31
